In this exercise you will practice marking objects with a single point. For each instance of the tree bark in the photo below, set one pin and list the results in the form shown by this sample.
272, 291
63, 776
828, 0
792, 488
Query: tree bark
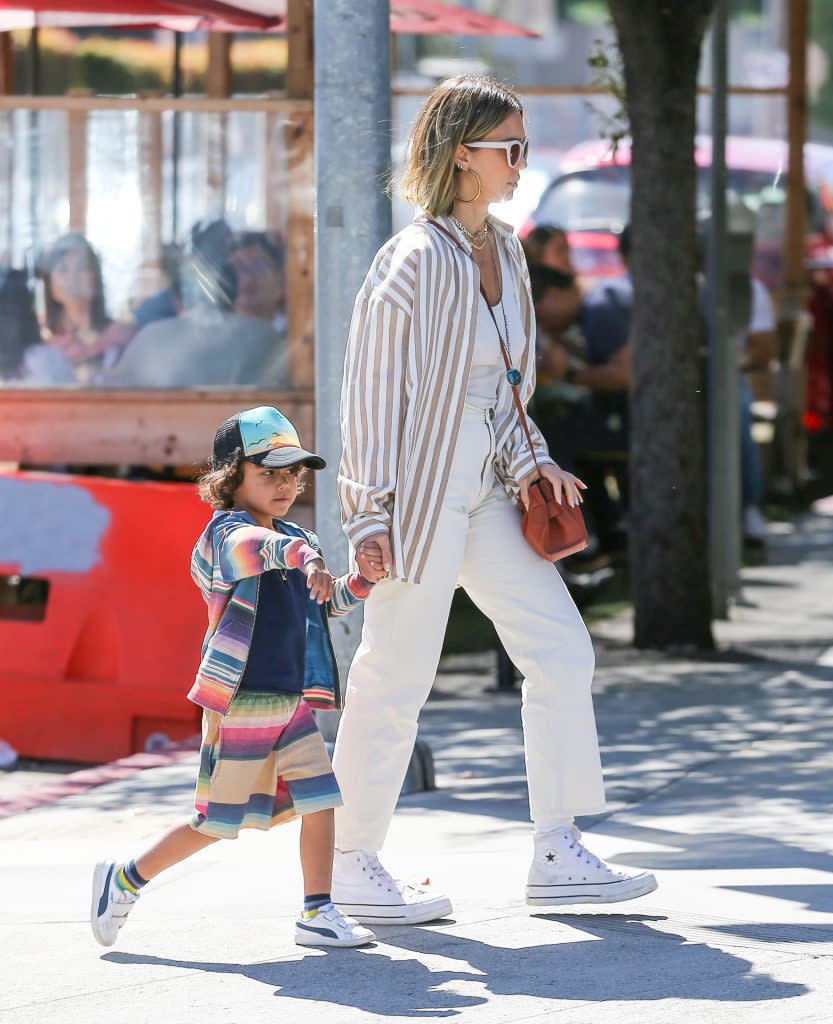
660, 43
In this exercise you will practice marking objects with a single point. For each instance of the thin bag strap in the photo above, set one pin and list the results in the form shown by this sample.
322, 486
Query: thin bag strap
503, 349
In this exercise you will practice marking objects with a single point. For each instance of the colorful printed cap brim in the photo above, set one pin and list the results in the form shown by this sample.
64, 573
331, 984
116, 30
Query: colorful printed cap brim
280, 458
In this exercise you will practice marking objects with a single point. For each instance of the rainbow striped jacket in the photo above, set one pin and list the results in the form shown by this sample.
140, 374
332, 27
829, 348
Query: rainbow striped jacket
227, 562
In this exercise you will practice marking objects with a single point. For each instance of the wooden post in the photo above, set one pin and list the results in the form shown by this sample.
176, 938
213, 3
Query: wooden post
299, 184
150, 191
300, 251
300, 68
218, 76
6, 63
790, 446
796, 210
218, 86
77, 164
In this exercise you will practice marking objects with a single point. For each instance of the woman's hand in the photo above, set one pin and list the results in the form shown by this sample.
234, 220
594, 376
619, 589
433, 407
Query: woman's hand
319, 581
376, 549
561, 480
370, 562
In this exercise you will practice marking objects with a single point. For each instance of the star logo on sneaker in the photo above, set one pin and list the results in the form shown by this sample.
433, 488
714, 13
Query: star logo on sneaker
551, 857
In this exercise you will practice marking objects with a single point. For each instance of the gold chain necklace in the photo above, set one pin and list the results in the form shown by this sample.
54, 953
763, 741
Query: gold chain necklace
477, 238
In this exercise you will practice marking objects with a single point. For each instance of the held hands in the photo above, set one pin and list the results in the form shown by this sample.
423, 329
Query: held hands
562, 483
319, 581
373, 556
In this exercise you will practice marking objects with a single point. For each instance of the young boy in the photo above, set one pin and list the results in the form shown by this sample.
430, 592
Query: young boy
267, 659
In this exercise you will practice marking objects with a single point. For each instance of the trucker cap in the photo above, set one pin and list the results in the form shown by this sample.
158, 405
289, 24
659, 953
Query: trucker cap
266, 437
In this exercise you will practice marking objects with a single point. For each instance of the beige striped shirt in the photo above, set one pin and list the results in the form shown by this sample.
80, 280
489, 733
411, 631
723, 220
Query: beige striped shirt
406, 372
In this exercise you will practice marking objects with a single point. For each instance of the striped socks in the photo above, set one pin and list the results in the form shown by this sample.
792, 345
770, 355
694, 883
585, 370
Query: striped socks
129, 879
312, 904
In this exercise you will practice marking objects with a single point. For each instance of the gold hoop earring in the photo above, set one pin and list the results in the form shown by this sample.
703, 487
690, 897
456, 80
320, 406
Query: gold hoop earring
479, 187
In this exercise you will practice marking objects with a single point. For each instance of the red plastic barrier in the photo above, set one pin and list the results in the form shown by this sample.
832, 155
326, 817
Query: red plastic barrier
116, 651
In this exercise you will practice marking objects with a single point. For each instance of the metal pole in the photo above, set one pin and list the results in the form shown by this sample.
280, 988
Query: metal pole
34, 62
723, 394
353, 219
795, 227
176, 141
791, 439
33, 88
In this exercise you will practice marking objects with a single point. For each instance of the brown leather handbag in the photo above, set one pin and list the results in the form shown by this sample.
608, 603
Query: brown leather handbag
553, 530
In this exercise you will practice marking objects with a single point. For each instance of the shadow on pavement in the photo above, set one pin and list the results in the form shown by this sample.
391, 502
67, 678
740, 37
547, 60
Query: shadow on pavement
606, 962
373, 982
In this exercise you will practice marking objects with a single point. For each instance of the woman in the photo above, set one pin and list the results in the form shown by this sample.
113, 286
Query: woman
76, 316
434, 463
24, 360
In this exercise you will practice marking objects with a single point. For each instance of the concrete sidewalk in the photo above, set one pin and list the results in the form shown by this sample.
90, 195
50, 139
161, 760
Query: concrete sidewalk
719, 777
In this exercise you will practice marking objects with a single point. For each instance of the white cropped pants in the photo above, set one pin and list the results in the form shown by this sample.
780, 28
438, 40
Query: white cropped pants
478, 544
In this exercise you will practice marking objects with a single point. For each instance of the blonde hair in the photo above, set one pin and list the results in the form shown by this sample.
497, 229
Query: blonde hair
459, 110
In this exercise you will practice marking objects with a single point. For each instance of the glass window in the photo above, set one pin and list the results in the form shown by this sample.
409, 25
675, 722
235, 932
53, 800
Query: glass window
147, 248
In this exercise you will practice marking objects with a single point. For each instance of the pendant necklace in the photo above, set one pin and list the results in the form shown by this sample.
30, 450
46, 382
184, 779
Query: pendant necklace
513, 375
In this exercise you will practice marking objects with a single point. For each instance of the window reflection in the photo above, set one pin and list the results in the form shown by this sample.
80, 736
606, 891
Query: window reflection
24, 360
215, 325
77, 321
119, 302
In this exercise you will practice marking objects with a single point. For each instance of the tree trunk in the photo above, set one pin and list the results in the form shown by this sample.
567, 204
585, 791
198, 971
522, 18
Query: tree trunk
660, 42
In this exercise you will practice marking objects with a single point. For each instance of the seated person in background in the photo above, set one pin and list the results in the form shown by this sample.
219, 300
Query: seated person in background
208, 345
165, 303
549, 246
758, 352
24, 360
258, 260
557, 306
548, 249
557, 302
77, 321
211, 239
596, 435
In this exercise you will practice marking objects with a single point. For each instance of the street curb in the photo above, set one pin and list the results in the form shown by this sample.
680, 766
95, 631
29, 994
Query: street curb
89, 778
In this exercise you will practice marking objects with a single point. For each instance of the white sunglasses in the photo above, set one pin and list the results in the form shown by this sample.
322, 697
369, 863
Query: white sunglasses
516, 149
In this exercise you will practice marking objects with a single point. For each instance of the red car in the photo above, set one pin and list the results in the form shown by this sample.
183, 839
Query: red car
591, 199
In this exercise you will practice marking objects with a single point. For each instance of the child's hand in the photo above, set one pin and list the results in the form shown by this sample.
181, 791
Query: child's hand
319, 581
369, 560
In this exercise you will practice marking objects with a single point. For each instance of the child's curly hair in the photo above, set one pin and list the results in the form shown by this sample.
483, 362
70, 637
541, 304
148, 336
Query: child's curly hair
217, 486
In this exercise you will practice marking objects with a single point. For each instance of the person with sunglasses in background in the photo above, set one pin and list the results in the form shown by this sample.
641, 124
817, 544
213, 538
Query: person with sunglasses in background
435, 469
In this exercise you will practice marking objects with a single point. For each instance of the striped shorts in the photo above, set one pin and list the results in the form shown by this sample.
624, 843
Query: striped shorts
261, 764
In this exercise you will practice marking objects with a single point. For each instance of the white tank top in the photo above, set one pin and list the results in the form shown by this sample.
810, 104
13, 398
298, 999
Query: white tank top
488, 368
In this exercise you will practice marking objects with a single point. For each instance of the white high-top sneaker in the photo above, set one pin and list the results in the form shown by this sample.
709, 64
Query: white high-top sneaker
564, 871
363, 889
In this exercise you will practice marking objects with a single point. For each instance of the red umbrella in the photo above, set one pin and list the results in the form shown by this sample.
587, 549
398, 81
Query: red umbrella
430, 16
407, 16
